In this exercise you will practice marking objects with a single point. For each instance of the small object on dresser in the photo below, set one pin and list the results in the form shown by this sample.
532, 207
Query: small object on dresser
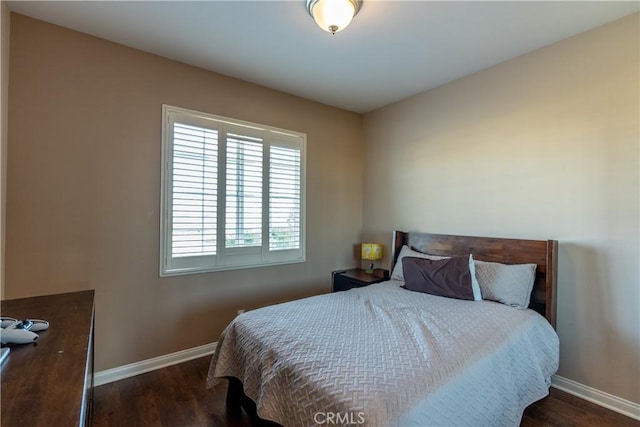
38, 325
15, 331
17, 336
357, 278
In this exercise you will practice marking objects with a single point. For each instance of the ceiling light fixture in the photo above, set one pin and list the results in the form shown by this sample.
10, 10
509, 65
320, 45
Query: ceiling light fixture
333, 15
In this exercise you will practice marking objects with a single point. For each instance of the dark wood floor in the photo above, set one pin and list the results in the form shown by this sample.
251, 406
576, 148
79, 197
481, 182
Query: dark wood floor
176, 396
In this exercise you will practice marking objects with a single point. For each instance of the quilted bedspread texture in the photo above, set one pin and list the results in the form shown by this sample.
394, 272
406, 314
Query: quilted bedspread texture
385, 356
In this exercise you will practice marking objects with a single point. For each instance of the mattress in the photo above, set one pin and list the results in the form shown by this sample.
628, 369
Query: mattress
385, 356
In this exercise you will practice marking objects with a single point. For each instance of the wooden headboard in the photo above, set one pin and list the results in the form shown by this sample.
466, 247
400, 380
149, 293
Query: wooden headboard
544, 253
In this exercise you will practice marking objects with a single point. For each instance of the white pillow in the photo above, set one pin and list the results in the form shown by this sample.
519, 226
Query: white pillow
398, 274
477, 293
509, 284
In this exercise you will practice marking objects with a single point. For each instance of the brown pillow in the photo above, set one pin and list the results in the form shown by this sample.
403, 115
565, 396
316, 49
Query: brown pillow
448, 277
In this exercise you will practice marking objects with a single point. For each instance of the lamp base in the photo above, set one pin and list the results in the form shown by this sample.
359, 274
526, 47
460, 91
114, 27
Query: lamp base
369, 270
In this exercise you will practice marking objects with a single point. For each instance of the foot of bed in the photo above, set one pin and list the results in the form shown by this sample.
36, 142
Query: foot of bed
236, 400
235, 396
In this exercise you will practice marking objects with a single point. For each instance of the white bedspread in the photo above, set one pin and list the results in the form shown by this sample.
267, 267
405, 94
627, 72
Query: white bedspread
385, 356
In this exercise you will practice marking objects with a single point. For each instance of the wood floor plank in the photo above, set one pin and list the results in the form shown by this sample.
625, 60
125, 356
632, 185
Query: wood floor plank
176, 397
113, 415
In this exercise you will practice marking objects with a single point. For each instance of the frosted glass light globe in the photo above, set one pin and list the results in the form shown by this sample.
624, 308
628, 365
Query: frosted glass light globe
333, 15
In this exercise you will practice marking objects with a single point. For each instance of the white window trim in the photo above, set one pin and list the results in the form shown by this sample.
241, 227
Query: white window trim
228, 259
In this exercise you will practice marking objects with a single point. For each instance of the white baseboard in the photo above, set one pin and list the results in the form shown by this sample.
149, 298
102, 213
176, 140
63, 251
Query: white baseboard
609, 401
133, 369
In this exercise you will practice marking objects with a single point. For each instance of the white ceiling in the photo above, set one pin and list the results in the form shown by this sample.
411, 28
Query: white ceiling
391, 50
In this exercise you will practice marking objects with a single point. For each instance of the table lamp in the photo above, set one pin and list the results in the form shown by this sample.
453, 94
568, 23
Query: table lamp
371, 252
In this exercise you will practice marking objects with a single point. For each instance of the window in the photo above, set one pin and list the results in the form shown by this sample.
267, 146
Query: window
232, 194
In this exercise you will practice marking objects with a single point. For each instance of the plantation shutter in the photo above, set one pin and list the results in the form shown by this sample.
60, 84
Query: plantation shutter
243, 216
284, 198
232, 194
194, 191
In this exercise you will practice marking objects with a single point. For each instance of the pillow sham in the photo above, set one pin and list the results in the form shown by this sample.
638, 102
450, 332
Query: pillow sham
405, 251
449, 277
509, 284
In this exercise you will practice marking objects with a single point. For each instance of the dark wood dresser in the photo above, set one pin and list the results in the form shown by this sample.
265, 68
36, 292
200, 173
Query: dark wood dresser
50, 382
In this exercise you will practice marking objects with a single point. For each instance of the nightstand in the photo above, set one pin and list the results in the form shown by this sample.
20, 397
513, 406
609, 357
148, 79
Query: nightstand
356, 278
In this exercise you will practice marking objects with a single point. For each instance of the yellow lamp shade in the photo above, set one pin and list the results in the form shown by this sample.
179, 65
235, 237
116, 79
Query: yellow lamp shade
371, 251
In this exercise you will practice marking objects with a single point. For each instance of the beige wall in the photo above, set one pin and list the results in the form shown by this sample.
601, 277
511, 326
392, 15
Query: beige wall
542, 146
84, 189
4, 101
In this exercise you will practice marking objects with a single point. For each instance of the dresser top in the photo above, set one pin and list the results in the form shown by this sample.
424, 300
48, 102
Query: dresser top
44, 383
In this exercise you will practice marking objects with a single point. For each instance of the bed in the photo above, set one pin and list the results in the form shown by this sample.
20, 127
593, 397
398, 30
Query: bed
387, 356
